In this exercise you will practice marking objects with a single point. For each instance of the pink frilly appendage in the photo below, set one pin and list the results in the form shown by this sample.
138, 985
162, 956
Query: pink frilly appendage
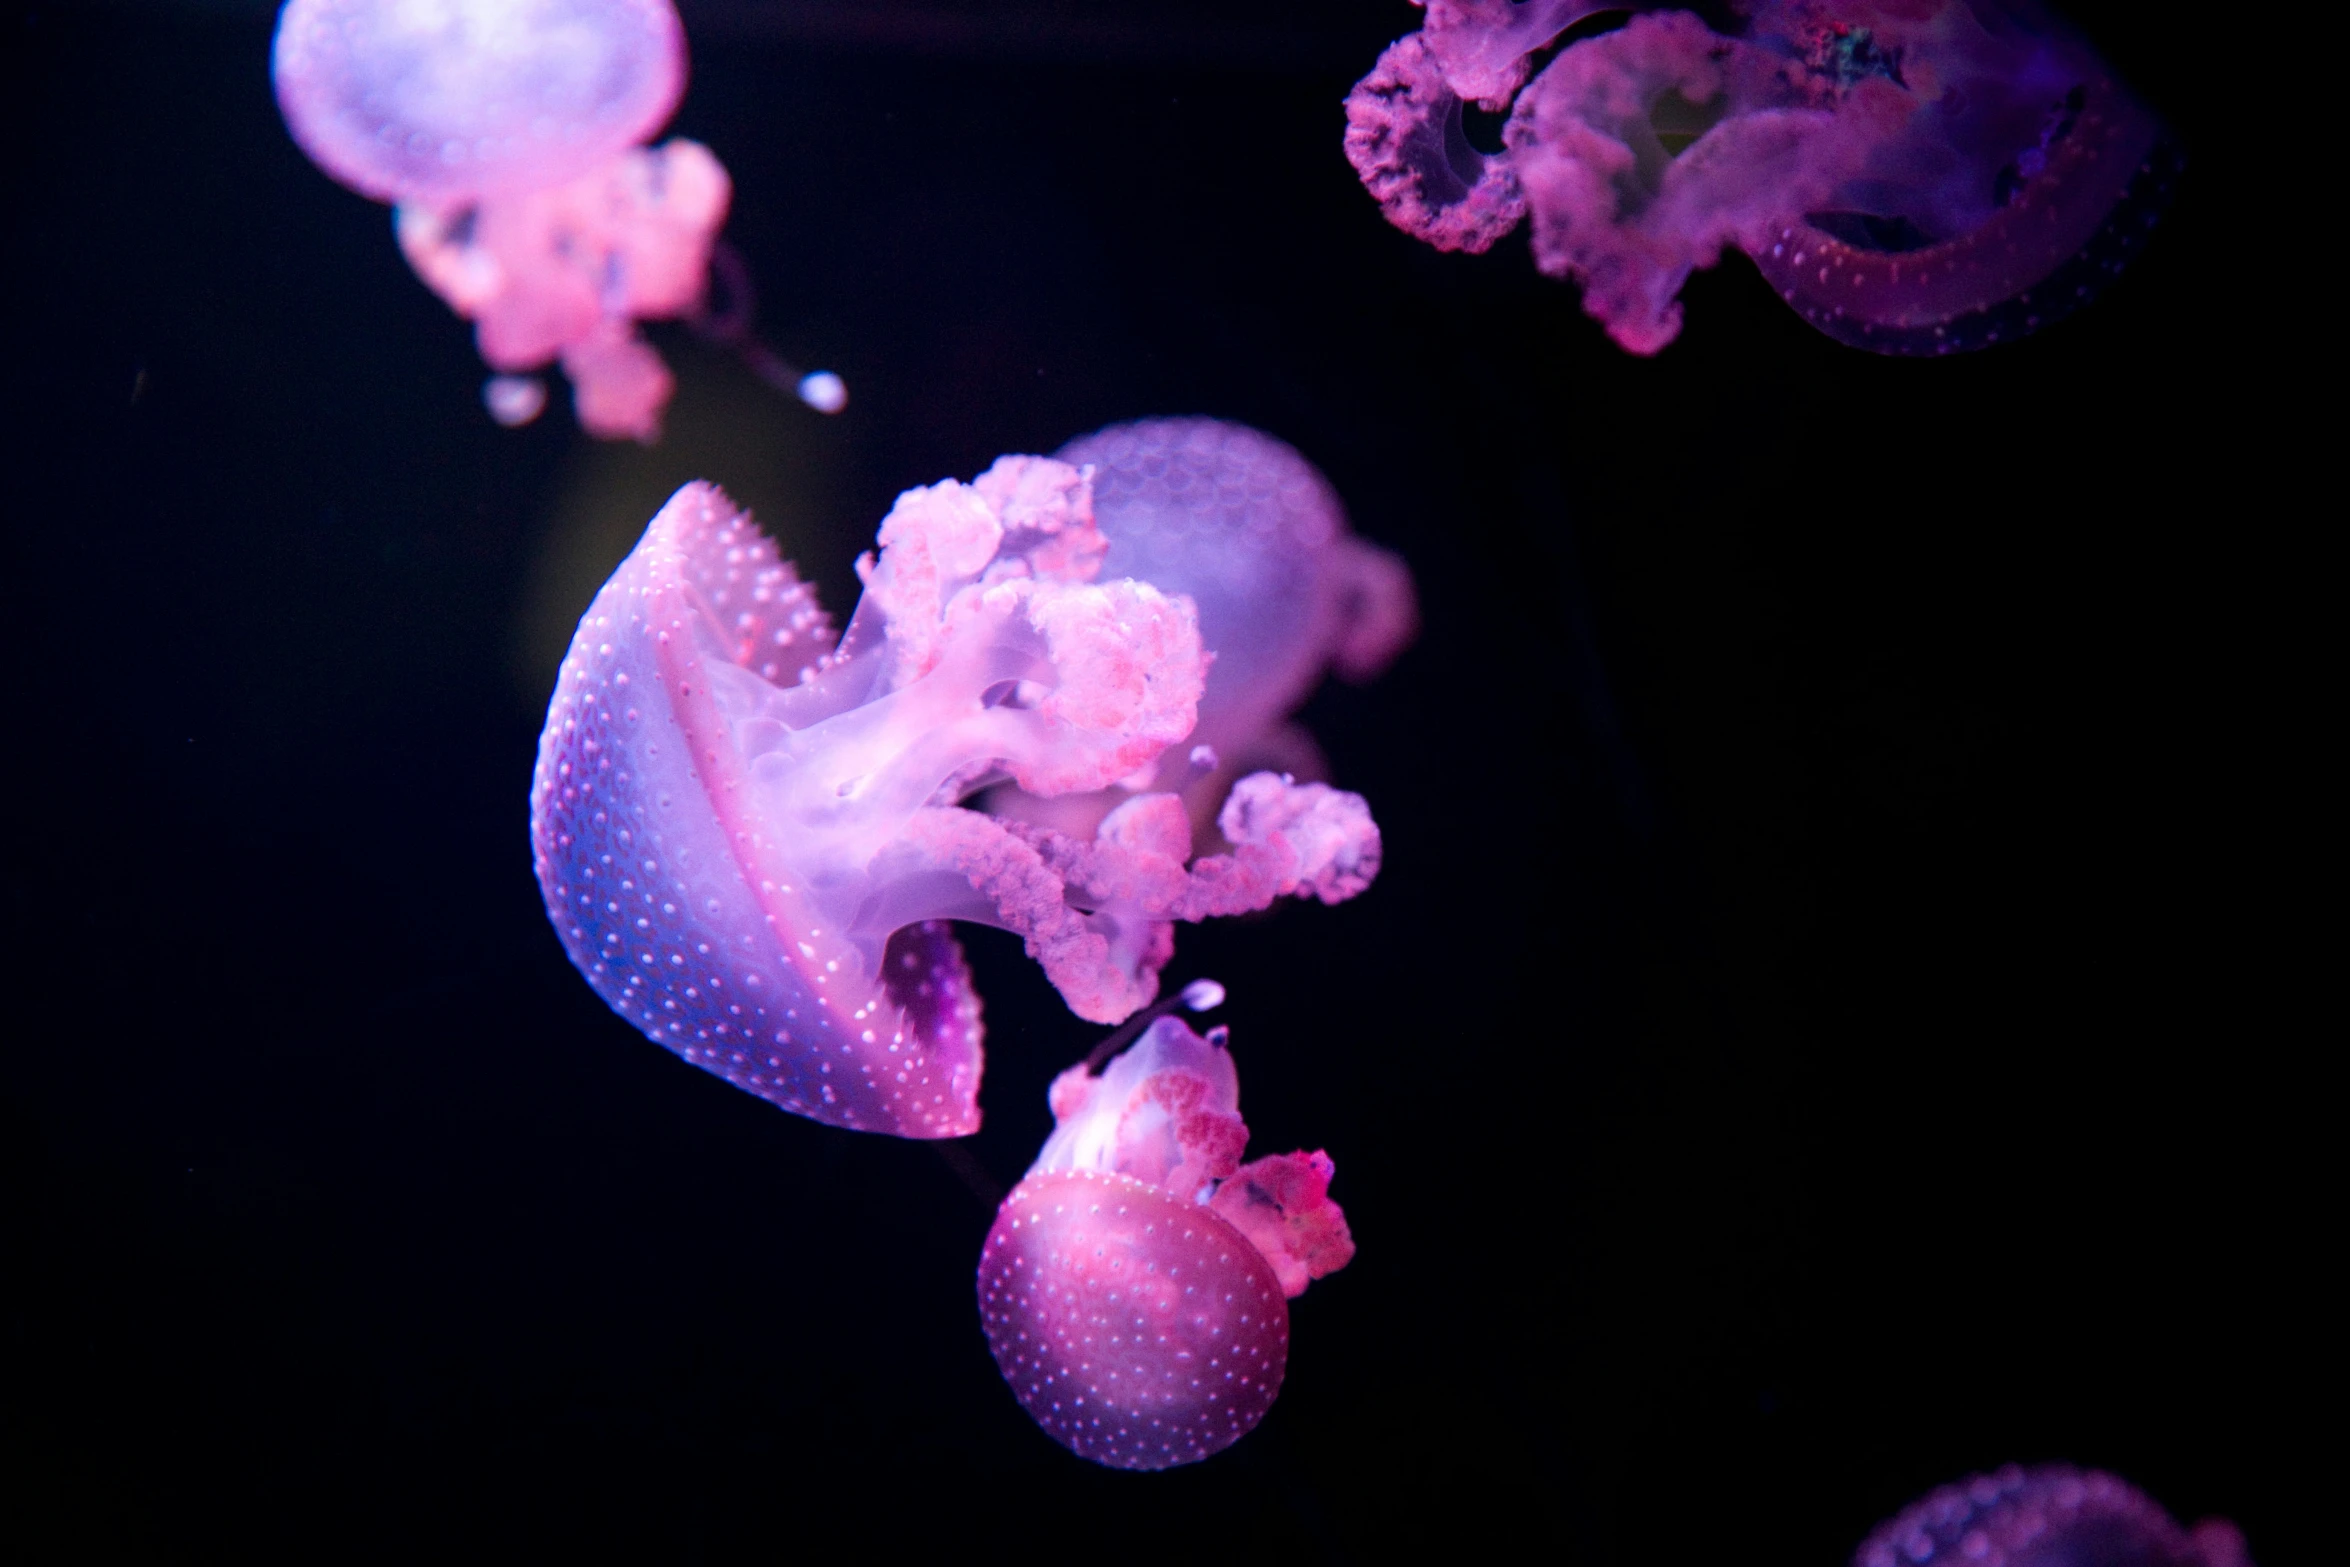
568, 272
1255, 536
750, 837
2051, 1515
1135, 1285
1913, 176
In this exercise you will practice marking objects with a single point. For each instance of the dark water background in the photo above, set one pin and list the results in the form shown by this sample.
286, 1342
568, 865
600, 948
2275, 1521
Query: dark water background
1827, 1023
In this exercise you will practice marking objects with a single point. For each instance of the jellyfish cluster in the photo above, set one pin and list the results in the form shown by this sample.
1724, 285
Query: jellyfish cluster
1912, 176
1063, 705
510, 136
753, 835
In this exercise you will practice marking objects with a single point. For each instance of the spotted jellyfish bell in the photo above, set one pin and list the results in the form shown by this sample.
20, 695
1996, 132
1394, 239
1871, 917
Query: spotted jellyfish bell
1135, 1286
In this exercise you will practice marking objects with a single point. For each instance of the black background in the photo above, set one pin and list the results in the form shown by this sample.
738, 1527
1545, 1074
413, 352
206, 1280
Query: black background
1826, 1024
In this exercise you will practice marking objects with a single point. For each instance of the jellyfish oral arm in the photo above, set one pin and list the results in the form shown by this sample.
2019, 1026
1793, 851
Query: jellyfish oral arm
1099, 915
1913, 176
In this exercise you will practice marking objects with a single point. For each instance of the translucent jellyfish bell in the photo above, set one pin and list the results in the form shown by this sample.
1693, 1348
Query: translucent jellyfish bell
436, 100
2051, 1515
1135, 1287
1256, 536
1252, 533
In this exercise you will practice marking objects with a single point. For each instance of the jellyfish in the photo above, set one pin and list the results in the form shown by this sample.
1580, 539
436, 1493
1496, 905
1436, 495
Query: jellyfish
509, 135
1912, 176
1256, 537
2052, 1515
1136, 1284
751, 835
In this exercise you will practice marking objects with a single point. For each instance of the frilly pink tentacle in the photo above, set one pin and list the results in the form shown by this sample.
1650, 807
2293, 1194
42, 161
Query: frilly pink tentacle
1098, 915
567, 271
1282, 1204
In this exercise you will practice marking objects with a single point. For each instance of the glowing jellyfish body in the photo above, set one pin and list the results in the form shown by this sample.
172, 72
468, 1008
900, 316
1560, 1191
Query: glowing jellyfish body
2052, 1515
1913, 176
508, 133
1254, 535
749, 836
461, 99
1135, 1285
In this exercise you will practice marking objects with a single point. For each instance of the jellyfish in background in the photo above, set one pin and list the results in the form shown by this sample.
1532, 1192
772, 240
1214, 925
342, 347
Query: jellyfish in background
1913, 176
2050, 1516
1135, 1285
1255, 536
750, 835
509, 134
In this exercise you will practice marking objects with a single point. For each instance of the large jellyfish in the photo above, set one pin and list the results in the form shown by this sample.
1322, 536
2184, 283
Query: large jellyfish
509, 134
1255, 536
1913, 176
2052, 1515
750, 835
1135, 1285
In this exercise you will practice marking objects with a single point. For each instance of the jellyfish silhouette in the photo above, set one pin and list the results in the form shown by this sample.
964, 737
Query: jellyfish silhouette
750, 835
2052, 1515
1255, 536
1913, 176
1135, 1285
509, 134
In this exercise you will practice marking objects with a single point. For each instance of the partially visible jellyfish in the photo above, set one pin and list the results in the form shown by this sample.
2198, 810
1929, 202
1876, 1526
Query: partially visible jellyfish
2052, 1515
1135, 1287
1913, 176
509, 134
1256, 537
750, 835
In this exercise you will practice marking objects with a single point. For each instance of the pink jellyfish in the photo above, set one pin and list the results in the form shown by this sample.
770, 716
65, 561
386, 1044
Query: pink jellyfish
750, 836
2050, 1516
1256, 537
1913, 176
509, 133
1135, 1287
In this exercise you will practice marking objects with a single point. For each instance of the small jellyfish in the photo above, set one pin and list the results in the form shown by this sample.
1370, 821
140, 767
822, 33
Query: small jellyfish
509, 135
751, 835
2052, 1515
1255, 536
1913, 176
1135, 1285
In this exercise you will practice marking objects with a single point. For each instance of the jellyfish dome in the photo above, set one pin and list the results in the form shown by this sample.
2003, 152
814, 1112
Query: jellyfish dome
751, 835
2051, 1515
1912, 176
1135, 1285
1255, 537
435, 100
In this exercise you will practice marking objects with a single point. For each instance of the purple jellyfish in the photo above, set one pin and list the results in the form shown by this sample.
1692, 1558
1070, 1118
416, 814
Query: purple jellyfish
2050, 1516
1135, 1286
1913, 176
1254, 535
509, 135
750, 835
